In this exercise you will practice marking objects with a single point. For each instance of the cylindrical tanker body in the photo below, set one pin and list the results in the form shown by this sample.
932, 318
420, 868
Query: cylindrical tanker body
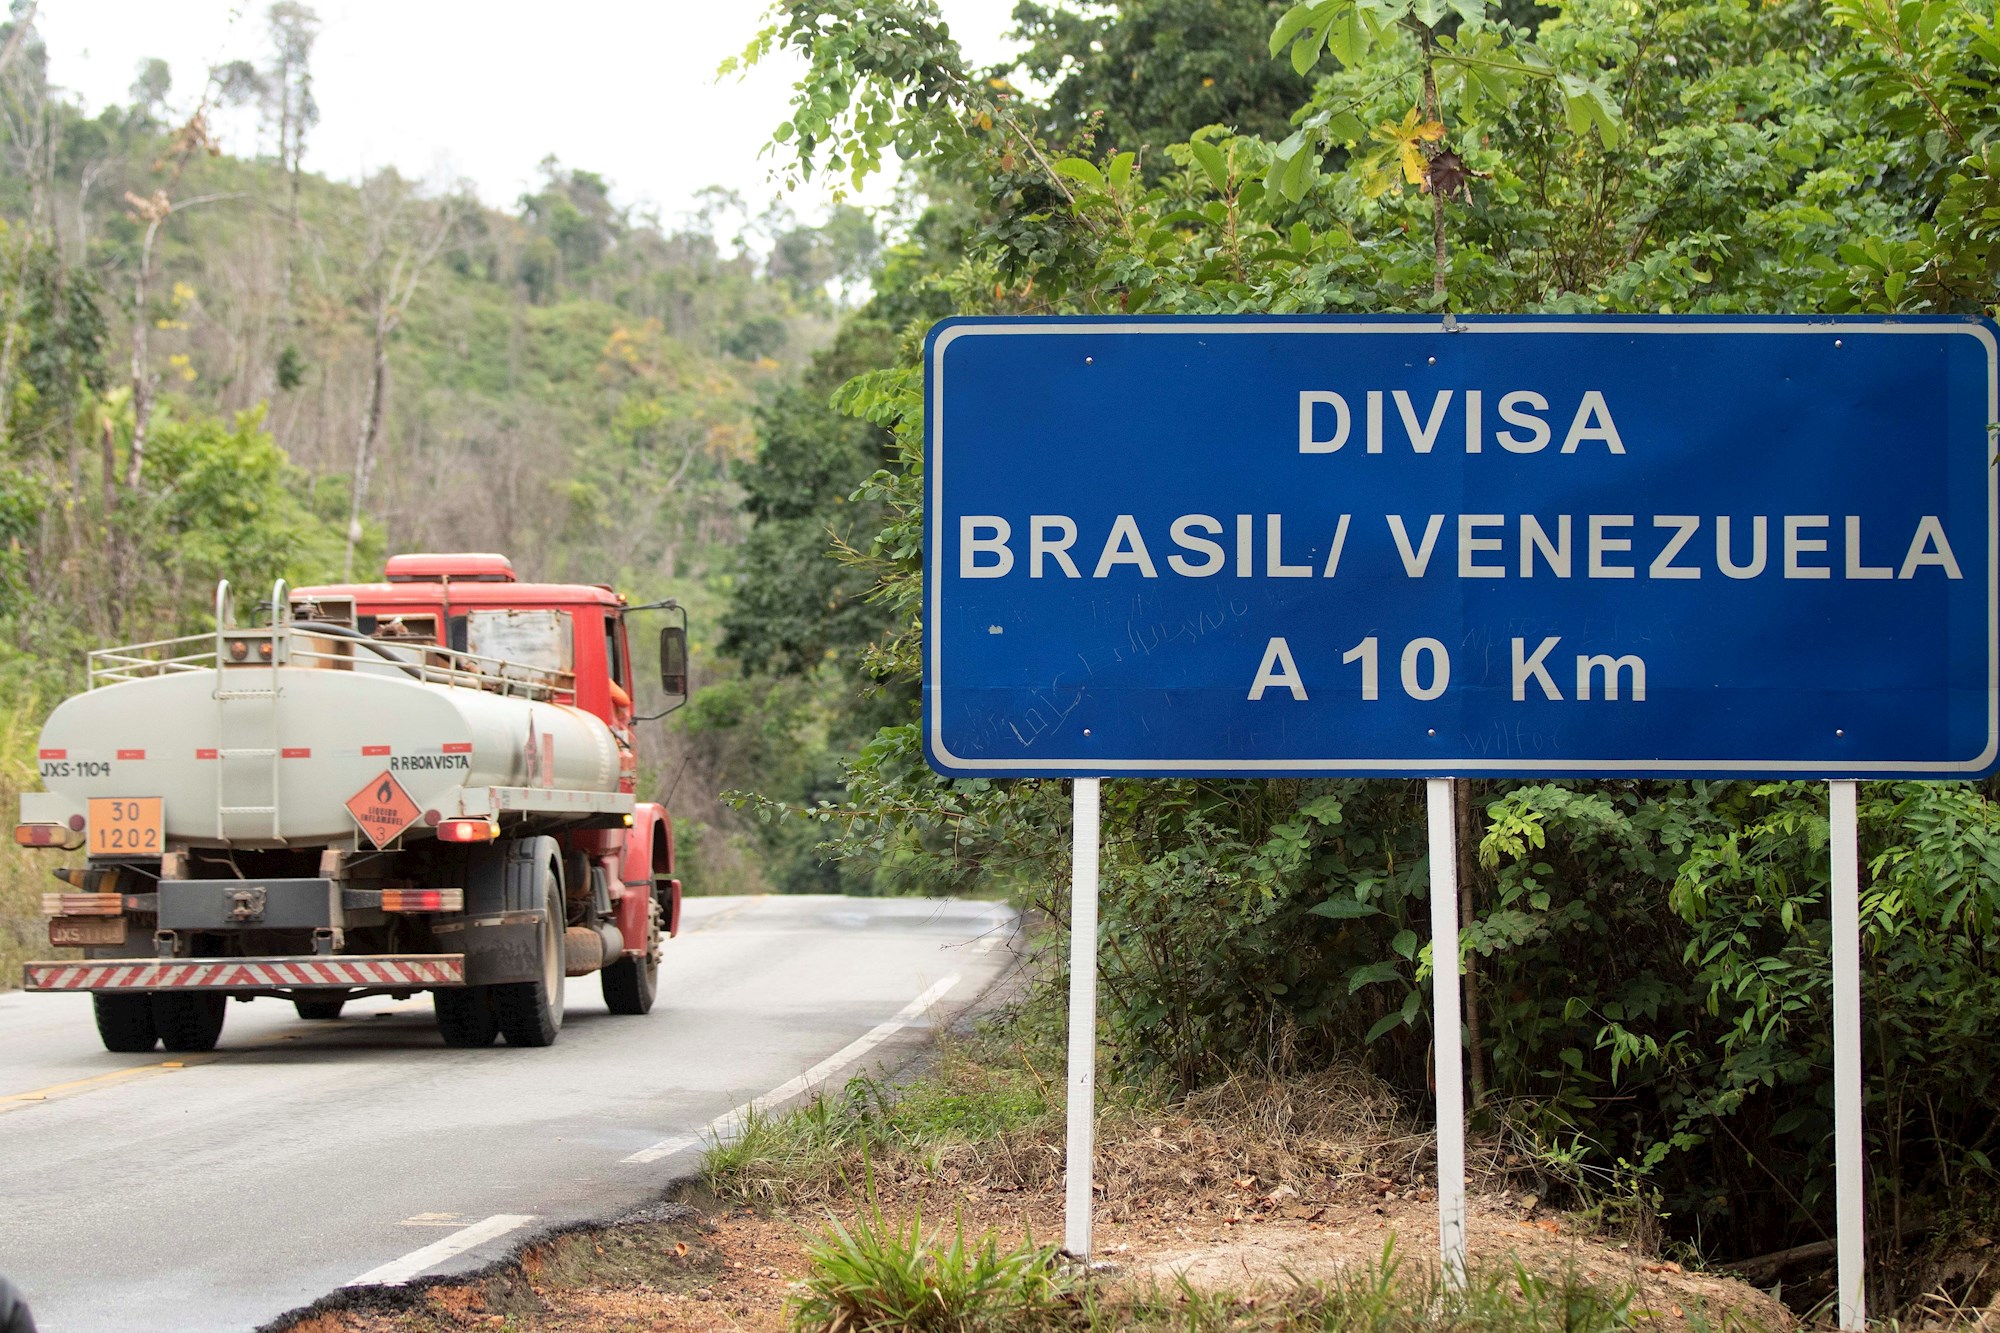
262, 757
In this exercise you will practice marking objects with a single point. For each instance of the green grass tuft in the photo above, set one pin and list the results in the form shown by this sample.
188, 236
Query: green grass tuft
883, 1275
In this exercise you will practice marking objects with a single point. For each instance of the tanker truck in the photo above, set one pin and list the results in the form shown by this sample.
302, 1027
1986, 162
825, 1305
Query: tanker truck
422, 784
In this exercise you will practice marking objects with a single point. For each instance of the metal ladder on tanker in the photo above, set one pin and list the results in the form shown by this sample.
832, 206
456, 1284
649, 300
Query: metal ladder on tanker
249, 748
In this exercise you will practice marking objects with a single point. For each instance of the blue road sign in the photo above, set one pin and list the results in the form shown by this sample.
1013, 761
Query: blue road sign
1529, 546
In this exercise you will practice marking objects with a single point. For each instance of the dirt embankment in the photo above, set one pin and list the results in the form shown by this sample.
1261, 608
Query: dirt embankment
1252, 1189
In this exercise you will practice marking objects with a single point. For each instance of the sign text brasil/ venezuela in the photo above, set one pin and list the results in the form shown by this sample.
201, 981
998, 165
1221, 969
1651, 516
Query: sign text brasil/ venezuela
1257, 546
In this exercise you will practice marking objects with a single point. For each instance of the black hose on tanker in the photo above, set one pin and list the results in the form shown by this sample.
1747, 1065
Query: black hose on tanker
356, 636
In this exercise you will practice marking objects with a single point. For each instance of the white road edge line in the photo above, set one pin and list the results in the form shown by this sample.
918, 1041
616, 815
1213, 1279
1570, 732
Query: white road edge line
726, 1126
398, 1271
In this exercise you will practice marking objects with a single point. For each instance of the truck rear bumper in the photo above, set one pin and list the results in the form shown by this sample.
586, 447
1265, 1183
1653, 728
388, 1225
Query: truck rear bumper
419, 971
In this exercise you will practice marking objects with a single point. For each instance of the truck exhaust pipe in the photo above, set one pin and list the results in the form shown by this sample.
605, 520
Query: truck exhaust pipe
587, 949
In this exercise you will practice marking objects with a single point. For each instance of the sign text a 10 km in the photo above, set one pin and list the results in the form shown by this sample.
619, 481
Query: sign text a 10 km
1504, 545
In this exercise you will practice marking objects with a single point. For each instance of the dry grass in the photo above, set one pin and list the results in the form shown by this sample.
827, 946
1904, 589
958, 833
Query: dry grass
1260, 1205
1295, 1138
1296, 1141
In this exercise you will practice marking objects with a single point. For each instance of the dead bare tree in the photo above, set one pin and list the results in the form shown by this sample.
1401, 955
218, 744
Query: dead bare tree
288, 92
402, 237
27, 130
19, 36
191, 139
154, 212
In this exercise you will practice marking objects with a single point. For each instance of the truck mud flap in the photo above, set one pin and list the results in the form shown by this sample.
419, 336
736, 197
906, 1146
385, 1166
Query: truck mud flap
505, 946
386, 971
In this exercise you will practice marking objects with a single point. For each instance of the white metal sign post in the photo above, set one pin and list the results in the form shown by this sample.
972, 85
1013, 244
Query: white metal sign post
1845, 891
1447, 1029
1077, 1162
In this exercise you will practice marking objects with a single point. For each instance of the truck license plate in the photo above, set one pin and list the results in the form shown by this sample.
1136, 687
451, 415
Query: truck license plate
126, 826
75, 932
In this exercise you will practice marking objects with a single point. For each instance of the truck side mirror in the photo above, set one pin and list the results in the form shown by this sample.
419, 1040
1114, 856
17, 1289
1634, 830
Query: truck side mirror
674, 661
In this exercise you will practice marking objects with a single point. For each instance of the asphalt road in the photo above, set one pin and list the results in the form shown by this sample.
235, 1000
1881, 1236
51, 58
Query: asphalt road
218, 1191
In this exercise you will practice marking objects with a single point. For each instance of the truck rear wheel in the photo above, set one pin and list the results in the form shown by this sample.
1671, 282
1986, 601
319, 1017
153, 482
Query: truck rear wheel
465, 1016
631, 983
189, 1020
125, 1022
531, 1012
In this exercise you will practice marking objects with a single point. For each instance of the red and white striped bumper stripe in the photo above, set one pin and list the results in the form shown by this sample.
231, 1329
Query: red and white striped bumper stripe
431, 969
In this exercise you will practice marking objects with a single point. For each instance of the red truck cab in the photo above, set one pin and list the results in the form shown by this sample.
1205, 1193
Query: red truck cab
431, 597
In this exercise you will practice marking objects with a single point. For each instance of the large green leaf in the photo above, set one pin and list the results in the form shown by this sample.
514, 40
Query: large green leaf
1079, 170
1291, 25
1384, 1026
1212, 164
1372, 973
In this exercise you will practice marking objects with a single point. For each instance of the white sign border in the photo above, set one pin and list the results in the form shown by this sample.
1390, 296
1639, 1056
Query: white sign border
976, 326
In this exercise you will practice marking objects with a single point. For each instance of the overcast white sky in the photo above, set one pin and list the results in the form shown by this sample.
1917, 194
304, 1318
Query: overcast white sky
485, 89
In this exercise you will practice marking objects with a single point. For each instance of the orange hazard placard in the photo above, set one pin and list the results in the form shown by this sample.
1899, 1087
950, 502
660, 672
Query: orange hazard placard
383, 809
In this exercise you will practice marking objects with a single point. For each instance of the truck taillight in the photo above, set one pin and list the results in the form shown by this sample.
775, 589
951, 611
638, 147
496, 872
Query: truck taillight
467, 830
48, 835
423, 900
83, 904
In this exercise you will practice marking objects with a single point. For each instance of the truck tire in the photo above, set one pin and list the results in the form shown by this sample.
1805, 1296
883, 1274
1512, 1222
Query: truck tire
631, 983
125, 1022
465, 1016
531, 1012
189, 1020
320, 1010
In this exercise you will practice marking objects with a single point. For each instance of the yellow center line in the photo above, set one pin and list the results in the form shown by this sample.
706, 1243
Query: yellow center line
113, 1077
56, 1091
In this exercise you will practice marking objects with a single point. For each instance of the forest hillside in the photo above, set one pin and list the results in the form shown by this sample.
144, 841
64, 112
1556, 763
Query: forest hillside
216, 364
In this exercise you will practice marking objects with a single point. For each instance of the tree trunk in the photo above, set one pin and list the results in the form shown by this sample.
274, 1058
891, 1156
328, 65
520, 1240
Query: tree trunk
1434, 110
365, 447
114, 546
142, 370
291, 135
7, 344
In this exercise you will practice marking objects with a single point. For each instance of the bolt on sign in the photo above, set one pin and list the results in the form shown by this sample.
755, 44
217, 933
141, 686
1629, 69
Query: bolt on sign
383, 809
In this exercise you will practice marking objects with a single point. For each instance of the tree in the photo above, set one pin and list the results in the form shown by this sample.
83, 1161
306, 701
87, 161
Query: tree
401, 235
18, 31
29, 133
574, 212
1146, 73
151, 83
289, 103
188, 142
795, 604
